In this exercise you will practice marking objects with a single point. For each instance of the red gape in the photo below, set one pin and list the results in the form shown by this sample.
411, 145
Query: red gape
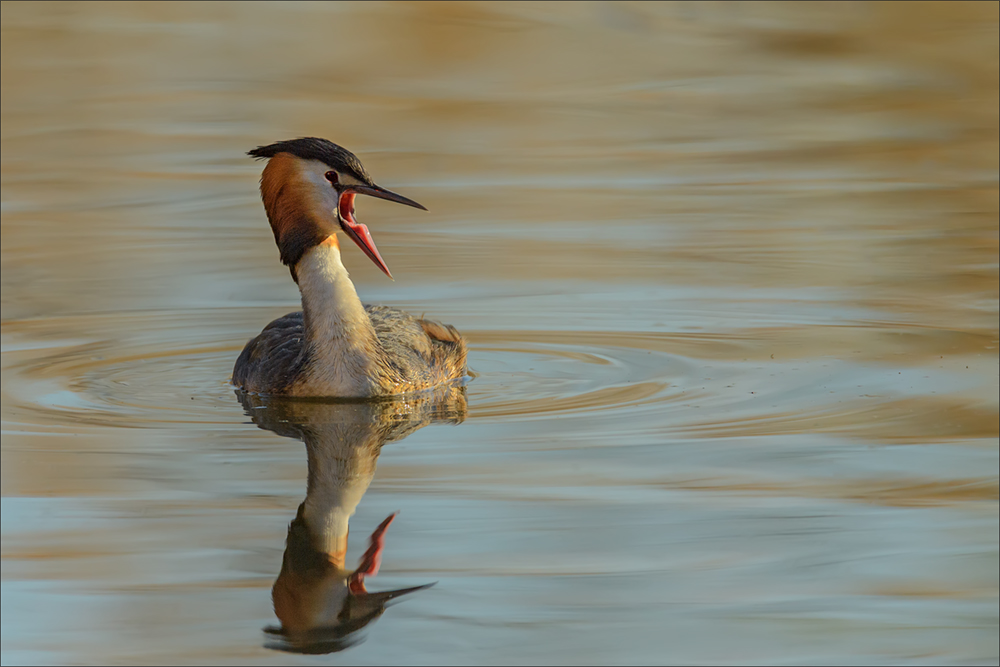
359, 233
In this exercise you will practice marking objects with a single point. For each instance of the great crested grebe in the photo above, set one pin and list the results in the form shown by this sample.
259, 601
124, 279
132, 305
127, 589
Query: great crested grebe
336, 346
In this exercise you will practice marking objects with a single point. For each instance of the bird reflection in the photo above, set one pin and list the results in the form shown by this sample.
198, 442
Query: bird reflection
320, 603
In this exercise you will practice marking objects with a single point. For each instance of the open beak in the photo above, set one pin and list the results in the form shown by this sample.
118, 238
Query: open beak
359, 233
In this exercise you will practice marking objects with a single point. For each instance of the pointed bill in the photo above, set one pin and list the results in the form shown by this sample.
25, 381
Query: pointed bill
382, 193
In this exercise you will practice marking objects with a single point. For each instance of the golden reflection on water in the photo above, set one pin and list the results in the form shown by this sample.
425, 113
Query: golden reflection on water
729, 274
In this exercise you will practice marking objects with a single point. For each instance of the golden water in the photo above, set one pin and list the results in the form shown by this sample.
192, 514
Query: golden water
729, 274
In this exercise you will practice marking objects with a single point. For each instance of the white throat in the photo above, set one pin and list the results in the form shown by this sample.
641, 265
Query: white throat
339, 335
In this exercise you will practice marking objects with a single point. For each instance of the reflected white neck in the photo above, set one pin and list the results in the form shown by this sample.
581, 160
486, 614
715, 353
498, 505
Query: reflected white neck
342, 461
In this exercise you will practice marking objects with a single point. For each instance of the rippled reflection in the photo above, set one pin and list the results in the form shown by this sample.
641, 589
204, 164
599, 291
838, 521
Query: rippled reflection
321, 604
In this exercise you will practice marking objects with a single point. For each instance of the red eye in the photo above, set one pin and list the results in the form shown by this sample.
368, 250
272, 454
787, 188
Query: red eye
332, 177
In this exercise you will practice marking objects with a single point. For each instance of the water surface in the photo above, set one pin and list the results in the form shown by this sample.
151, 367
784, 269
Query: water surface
728, 273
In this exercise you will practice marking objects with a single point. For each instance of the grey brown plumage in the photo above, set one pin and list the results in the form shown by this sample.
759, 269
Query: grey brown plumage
415, 354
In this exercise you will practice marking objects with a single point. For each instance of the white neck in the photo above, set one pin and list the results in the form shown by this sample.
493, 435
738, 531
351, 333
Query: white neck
339, 334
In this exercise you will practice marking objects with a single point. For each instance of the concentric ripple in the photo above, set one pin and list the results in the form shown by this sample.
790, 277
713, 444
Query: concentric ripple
538, 374
147, 369
153, 368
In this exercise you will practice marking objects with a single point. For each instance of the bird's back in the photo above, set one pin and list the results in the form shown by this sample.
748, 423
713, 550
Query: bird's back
423, 353
416, 354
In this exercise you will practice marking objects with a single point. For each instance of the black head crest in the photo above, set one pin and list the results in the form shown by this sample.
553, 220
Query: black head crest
314, 148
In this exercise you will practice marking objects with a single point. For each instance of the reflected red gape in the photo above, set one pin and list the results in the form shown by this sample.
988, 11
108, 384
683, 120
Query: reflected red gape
372, 558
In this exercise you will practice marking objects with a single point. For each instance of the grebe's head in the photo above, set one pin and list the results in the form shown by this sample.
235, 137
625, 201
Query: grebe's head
308, 188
